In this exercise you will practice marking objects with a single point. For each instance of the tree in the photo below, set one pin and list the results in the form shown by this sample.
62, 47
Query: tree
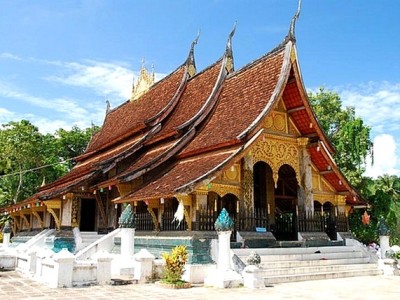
48, 156
19, 143
383, 195
74, 142
348, 133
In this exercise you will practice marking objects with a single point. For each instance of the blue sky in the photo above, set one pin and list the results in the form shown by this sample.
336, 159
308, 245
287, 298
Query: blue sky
59, 60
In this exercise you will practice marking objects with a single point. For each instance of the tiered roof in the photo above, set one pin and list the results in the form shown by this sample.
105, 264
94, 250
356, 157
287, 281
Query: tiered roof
189, 127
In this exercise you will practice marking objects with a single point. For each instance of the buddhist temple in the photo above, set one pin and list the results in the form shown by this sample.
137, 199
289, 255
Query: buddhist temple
197, 141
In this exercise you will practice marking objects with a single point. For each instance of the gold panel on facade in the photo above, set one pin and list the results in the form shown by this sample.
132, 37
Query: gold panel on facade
322, 198
232, 173
276, 121
277, 151
292, 130
222, 189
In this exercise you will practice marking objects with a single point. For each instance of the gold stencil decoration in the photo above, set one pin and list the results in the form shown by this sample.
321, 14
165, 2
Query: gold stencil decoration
280, 122
277, 152
325, 187
191, 70
223, 189
276, 121
292, 130
247, 188
269, 122
340, 200
293, 55
322, 198
281, 106
74, 213
232, 173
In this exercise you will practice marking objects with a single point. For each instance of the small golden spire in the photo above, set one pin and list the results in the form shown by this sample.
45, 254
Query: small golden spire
144, 82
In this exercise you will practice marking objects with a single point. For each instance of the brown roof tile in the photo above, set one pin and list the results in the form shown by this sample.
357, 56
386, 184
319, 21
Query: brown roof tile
195, 95
245, 94
130, 116
181, 174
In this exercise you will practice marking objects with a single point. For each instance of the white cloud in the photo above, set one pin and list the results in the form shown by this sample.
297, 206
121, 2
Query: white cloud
6, 55
6, 115
376, 103
55, 113
67, 106
102, 78
386, 159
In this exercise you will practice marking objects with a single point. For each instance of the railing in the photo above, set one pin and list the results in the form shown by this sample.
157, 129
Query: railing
285, 226
205, 219
144, 221
308, 222
342, 223
249, 221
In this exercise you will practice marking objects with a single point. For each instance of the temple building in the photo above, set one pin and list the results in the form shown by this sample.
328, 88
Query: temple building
183, 148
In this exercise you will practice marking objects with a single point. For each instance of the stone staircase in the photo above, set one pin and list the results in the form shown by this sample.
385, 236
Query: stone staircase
300, 264
89, 237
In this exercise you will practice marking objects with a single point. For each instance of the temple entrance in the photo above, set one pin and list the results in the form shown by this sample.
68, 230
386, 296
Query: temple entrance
286, 204
330, 220
327, 218
88, 215
263, 186
229, 203
217, 203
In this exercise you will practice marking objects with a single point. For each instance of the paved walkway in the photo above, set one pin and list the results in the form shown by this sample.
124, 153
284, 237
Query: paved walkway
14, 286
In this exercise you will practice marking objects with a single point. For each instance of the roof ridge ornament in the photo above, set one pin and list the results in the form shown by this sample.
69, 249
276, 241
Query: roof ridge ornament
291, 35
228, 51
190, 61
108, 105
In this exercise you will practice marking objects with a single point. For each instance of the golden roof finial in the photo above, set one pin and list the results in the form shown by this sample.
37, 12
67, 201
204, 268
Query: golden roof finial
143, 83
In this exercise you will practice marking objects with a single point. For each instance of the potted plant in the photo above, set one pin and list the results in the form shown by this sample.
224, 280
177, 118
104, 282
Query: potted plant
174, 268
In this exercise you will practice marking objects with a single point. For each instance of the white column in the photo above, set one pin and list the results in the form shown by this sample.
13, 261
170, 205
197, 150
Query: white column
224, 250
127, 241
6, 240
384, 245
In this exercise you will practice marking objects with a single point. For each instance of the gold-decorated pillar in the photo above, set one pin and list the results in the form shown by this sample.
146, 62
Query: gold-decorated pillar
304, 195
341, 204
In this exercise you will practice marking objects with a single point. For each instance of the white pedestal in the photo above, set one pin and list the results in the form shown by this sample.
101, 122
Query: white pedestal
252, 277
384, 245
224, 276
144, 266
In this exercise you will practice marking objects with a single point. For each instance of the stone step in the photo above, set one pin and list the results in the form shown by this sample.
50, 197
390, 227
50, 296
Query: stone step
324, 275
311, 256
89, 237
316, 269
90, 233
294, 251
309, 263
